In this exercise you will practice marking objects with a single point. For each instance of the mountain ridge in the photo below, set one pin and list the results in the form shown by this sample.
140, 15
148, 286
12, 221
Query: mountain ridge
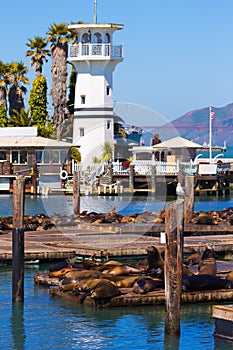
194, 125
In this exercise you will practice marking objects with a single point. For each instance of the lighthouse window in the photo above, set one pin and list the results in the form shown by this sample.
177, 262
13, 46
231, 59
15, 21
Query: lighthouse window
81, 131
83, 99
97, 38
108, 124
108, 90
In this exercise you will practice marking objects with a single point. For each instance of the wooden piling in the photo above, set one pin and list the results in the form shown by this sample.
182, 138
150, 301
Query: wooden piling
153, 174
131, 177
189, 199
174, 226
18, 240
76, 193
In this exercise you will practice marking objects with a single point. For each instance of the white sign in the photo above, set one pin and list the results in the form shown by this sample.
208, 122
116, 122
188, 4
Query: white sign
207, 169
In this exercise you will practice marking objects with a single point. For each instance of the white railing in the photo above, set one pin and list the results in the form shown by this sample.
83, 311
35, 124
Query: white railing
95, 51
119, 169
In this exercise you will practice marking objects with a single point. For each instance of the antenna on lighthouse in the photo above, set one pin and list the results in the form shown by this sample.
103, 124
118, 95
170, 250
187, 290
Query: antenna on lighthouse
95, 11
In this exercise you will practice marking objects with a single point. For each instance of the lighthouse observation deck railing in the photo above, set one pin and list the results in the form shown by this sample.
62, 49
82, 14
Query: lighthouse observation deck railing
96, 51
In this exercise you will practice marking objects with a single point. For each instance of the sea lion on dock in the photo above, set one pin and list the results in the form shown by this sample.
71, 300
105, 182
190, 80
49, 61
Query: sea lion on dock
65, 263
229, 276
101, 291
122, 270
155, 262
62, 273
193, 259
83, 274
204, 282
208, 263
147, 284
121, 281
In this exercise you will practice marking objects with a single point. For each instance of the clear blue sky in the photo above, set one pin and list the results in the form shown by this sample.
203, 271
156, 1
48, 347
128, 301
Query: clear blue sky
178, 54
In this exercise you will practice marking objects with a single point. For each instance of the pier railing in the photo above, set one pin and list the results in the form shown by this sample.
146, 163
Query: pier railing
95, 51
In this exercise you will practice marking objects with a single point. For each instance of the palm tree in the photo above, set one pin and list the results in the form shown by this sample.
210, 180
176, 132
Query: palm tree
59, 36
20, 118
3, 94
107, 150
16, 76
38, 53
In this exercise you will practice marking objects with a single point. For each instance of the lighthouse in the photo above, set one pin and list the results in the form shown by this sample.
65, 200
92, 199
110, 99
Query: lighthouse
94, 58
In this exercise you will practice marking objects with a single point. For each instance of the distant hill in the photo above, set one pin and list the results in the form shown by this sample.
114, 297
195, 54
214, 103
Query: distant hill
194, 125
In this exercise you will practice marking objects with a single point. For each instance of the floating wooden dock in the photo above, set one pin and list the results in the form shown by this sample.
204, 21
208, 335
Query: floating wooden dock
112, 241
223, 315
128, 298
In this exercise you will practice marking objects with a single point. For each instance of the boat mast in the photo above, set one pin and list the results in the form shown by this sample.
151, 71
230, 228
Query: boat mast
210, 136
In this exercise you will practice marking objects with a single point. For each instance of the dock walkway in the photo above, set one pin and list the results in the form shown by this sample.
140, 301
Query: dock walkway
111, 241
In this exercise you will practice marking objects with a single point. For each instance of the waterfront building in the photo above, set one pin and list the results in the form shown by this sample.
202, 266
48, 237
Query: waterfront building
22, 152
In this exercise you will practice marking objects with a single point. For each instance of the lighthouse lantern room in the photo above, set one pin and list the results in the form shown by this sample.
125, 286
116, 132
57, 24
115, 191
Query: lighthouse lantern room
94, 58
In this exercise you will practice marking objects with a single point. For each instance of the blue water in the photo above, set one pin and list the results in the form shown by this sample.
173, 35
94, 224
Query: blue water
45, 323
124, 204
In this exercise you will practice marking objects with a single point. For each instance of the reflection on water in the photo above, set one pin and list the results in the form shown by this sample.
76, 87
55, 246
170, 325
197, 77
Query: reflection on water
49, 323
125, 204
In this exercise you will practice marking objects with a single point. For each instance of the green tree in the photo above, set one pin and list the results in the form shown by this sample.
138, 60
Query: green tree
75, 154
38, 101
16, 77
59, 36
3, 116
20, 118
38, 53
107, 150
3, 87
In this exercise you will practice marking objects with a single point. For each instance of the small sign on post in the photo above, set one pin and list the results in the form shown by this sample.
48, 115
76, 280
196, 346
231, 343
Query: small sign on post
18, 240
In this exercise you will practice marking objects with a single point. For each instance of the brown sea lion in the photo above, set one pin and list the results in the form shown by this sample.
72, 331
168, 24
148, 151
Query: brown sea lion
101, 290
121, 281
155, 262
193, 259
186, 271
204, 282
147, 284
208, 263
122, 270
229, 276
62, 273
80, 275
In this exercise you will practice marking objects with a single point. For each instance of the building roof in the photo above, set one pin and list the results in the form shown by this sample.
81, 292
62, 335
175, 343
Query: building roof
177, 142
85, 26
32, 141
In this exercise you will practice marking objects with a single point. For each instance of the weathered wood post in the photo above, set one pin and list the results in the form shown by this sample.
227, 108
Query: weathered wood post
18, 240
173, 265
131, 177
76, 192
153, 182
189, 199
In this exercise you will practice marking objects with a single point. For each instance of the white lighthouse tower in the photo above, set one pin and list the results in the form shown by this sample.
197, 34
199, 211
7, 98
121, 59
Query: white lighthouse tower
94, 58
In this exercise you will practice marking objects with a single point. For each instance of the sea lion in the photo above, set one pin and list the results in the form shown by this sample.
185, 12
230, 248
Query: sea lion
229, 276
204, 282
122, 270
147, 284
155, 262
193, 259
84, 274
121, 281
101, 290
208, 263
62, 273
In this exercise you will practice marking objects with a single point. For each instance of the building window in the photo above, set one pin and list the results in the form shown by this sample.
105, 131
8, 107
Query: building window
81, 132
19, 157
108, 90
56, 157
83, 99
2, 155
108, 124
